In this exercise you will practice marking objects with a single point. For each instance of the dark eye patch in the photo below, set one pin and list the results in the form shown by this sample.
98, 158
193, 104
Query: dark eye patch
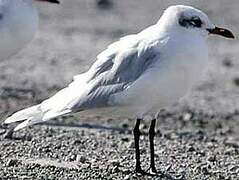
192, 22
196, 22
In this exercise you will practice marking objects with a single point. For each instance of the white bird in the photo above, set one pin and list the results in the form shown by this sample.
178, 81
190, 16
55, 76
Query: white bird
137, 75
18, 24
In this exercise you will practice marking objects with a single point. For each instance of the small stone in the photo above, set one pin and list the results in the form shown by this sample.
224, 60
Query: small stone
232, 143
125, 139
191, 149
127, 177
85, 166
115, 169
115, 163
205, 170
167, 135
28, 137
234, 168
71, 157
131, 144
126, 171
168, 167
11, 162
81, 159
187, 116
124, 125
179, 176
77, 141
229, 151
221, 177
201, 153
212, 158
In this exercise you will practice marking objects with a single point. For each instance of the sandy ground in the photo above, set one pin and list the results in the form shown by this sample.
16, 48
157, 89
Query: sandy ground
198, 138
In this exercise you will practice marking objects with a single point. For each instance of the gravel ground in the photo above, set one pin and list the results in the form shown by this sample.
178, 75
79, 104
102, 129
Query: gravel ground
197, 138
197, 146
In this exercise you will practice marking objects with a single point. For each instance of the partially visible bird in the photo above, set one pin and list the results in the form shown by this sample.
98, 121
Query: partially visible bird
137, 75
104, 4
18, 24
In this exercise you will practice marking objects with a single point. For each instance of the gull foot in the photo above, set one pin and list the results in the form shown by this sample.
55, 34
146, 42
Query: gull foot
141, 172
153, 171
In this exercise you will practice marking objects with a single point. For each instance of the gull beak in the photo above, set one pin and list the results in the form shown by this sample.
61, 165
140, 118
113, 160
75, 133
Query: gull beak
221, 31
50, 1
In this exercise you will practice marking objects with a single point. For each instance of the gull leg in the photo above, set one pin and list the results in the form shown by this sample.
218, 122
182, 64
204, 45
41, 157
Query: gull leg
151, 141
136, 141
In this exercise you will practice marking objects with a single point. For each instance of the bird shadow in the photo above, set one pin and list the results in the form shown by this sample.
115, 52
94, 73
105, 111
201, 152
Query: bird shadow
158, 175
7, 131
88, 126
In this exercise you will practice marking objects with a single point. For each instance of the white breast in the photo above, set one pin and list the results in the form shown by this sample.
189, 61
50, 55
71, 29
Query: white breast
179, 67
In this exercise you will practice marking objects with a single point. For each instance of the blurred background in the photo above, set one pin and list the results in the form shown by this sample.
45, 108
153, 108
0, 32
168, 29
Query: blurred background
72, 34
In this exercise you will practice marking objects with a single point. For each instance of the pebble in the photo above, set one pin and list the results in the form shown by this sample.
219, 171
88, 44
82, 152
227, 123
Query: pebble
127, 177
205, 170
11, 162
125, 139
115, 162
187, 116
234, 168
229, 151
212, 158
191, 149
84, 166
131, 144
80, 158
232, 143
72, 157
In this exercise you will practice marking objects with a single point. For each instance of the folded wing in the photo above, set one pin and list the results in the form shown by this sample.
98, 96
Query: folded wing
116, 68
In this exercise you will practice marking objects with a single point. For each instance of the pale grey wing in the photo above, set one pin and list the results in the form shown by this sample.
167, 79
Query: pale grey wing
84, 84
115, 75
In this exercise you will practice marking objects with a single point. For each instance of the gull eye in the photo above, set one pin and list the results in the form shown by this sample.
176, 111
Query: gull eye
196, 22
190, 22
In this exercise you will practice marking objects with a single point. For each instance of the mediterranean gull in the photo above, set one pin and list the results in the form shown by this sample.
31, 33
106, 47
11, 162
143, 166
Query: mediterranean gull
137, 75
18, 24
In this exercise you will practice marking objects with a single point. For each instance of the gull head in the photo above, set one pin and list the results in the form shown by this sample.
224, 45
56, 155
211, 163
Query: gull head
190, 20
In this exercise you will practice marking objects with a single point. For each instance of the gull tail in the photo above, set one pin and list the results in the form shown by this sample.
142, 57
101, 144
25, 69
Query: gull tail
33, 115
29, 116
53, 107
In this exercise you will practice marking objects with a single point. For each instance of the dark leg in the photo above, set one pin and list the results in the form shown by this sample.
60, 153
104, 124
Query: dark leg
151, 141
136, 141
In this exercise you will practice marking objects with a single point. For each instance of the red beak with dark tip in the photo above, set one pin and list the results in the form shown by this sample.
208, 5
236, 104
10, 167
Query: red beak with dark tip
222, 32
